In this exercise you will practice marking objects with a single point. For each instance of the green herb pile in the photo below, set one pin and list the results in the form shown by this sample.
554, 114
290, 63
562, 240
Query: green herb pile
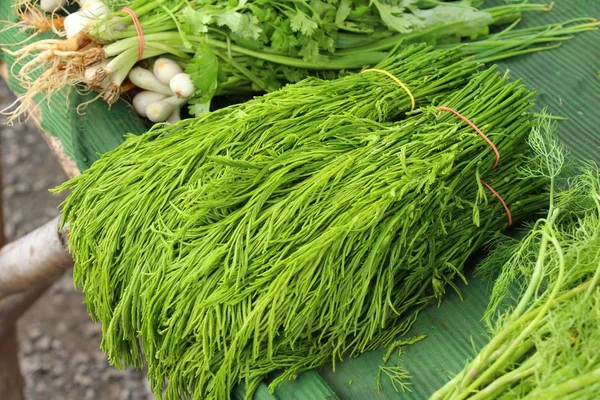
299, 227
244, 47
545, 345
257, 46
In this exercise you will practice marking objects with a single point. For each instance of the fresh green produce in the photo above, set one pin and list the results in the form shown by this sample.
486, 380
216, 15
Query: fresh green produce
299, 227
544, 345
233, 47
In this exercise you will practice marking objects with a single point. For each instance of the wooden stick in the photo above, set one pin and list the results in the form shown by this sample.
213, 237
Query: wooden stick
11, 381
40, 256
11, 308
16, 305
2, 237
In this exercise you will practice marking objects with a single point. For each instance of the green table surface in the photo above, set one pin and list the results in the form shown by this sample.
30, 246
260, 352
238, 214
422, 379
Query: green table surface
568, 84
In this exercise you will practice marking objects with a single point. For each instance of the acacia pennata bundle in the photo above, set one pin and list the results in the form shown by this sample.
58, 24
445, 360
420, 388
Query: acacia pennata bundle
299, 227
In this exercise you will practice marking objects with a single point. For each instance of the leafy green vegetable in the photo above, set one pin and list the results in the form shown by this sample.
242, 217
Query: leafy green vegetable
301, 22
261, 46
394, 17
546, 344
297, 228
197, 20
398, 376
204, 70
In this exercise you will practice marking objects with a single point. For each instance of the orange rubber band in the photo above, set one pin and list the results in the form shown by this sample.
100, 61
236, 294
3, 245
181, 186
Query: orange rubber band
508, 213
138, 29
472, 125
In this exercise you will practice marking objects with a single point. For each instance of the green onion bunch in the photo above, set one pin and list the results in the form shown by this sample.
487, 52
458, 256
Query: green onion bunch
299, 227
238, 47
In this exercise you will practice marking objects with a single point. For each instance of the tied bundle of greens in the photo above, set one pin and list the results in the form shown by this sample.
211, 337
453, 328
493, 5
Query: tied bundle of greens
241, 47
296, 228
544, 345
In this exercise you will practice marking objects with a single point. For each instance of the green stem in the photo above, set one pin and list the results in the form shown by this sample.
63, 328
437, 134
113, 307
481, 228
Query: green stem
536, 278
336, 63
571, 386
538, 269
451, 386
121, 66
246, 72
161, 48
596, 276
525, 333
123, 59
174, 39
503, 56
492, 390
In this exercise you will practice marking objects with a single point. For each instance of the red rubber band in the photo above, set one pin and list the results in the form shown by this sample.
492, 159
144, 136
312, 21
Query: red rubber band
138, 29
508, 213
472, 125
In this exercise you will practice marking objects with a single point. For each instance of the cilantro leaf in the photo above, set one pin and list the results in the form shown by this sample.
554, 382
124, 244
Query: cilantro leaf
244, 25
343, 11
199, 108
301, 22
194, 21
204, 71
323, 11
465, 21
310, 51
282, 41
395, 17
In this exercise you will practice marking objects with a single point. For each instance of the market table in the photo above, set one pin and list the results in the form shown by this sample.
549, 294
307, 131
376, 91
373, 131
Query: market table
568, 84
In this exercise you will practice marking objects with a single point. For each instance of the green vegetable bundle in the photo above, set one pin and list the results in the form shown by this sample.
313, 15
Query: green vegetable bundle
544, 346
299, 227
241, 47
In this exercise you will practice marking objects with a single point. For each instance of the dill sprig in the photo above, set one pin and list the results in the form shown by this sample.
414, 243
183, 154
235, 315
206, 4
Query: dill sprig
299, 227
398, 376
399, 345
546, 344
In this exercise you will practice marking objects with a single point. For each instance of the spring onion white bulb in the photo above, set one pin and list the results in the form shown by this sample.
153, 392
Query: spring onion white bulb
161, 110
91, 74
175, 116
146, 80
165, 69
74, 23
143, 99
92, 9
182, 85
52, 5
89, 12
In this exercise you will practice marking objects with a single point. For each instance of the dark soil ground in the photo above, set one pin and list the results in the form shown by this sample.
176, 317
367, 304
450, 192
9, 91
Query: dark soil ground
60, 346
